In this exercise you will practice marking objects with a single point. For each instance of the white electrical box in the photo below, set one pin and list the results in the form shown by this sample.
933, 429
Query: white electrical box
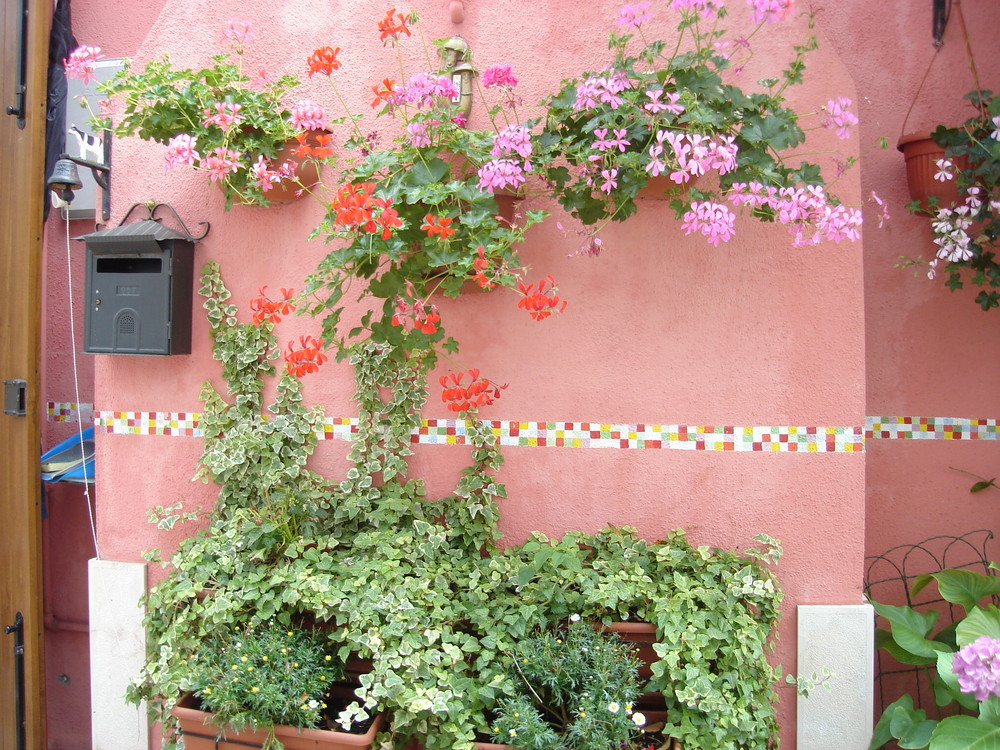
82, 101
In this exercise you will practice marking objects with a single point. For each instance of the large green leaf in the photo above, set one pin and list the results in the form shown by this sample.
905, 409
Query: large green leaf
965, 733
979, 622
962, 587
946, 687
989, 710
901, 721
911, 727
884, 641
908, 617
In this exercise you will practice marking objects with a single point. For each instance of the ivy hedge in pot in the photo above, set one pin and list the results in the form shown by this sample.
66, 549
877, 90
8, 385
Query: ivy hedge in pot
422, 587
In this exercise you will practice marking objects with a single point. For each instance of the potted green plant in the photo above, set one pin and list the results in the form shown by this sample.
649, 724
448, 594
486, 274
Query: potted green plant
574, 687
961, 660
272, 686
665, 116
965, 211
238, 130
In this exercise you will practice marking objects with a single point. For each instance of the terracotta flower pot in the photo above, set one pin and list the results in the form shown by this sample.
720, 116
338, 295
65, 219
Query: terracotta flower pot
306, 170
507, 204
643, 636
922, 154
201, 733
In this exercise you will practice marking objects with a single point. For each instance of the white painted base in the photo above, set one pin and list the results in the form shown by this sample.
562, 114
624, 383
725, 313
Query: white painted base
842, 640
117, 651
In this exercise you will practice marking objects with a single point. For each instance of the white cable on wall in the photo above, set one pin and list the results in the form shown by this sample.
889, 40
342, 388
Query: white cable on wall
76, 390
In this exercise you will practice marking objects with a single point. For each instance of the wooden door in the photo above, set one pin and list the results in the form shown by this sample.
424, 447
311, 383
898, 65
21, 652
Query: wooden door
22, 684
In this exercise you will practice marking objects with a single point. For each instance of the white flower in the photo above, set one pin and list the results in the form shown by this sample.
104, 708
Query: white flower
314, 703
944, 170
639, 719
613, 707
574, 618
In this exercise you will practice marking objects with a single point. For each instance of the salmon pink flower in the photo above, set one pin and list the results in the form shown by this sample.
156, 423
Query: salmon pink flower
323, 60
479, 392
307, 358
383, 92
226, 116
220, 162
392, 25
542, 301
180, 150
439, 225
267, 310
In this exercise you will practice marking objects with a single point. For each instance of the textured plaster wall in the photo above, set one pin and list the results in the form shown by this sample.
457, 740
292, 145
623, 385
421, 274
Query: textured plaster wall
661, 328
930, 352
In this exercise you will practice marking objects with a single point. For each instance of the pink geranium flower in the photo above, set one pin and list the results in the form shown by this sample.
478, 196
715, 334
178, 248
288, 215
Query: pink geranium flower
498, 75
181, 150
80, 63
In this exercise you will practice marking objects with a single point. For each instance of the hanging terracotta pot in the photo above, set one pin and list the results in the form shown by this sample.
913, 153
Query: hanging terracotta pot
200, 732
306, 170
922, 154
507, 204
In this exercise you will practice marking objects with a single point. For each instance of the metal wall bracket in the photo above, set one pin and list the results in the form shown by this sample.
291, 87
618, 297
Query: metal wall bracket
15, 397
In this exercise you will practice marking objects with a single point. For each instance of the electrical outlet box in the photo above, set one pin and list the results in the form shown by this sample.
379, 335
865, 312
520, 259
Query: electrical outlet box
82, 101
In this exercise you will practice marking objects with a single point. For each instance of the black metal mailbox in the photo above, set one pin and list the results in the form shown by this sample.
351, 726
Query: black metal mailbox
139, 288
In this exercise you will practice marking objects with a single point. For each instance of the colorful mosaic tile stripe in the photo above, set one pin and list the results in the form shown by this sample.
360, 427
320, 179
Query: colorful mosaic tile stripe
641, 436
930, 428
763, 439
61, 411
174, 424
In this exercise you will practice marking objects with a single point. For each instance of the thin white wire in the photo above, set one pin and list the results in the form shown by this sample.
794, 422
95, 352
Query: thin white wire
76, 387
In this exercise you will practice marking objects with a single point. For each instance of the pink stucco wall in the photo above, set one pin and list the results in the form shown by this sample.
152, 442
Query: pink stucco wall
930, 352
661, 328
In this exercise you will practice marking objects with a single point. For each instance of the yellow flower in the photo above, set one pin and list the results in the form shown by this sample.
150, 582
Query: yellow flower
207, 691
513, 733
249, 669
322, 678
290, 633
517, 715
263, 658
296, 664
235, 667
583, 714
243, 658
255, 689
327, 657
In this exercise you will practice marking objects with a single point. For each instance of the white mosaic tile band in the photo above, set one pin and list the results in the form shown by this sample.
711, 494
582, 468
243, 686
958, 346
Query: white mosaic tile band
763, 439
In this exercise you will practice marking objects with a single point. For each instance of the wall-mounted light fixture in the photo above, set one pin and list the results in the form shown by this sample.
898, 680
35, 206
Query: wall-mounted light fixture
65, 179
455, 53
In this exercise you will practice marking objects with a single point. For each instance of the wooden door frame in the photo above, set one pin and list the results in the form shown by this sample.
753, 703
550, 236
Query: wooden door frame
22, 151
